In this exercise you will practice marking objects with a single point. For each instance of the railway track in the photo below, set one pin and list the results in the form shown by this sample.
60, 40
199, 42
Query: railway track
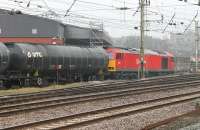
90, 89
95, 88
105, 83
86, 118
69, 100
170, 120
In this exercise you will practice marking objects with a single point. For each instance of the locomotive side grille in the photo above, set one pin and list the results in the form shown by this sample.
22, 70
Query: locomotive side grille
164, 63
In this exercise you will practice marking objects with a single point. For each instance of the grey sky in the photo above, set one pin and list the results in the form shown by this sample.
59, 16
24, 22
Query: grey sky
116, 22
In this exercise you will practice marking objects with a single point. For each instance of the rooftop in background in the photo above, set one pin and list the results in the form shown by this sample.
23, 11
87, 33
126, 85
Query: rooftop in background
16, 24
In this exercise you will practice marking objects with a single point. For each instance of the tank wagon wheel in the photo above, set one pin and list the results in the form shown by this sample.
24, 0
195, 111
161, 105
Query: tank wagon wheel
86, 77
24, 82
21, 82
39, 81
1, 84
7, 84
27, 82
42, 82
94, 78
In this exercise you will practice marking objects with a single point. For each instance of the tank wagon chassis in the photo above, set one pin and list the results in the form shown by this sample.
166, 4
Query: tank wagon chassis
29, 65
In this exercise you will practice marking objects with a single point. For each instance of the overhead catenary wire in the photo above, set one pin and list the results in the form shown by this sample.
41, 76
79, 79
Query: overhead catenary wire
191, 22
70, 8
168, 23
86, 17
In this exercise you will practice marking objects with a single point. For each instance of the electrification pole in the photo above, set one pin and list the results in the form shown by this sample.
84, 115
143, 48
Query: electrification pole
196, 45
142, 74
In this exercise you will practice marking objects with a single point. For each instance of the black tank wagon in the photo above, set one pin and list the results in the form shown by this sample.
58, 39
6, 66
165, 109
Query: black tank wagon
4, 58
38, 64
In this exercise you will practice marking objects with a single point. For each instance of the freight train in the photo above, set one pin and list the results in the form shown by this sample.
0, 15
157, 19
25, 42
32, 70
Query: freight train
33, 64
36, 50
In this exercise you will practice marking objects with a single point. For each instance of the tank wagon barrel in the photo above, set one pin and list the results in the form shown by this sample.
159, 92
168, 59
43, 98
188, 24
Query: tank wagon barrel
27, 64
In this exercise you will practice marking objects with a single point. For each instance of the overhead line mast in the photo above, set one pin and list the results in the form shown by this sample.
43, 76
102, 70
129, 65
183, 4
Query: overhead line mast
196, 45
142, 71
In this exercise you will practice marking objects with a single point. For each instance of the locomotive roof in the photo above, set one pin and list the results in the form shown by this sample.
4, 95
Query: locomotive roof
136, 50
153, 52
121, 50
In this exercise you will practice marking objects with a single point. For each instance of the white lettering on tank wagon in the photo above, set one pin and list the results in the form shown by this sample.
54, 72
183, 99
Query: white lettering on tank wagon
34, 54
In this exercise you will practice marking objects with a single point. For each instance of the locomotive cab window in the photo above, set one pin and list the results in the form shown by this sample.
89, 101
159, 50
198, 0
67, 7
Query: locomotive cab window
119, 56
110, 55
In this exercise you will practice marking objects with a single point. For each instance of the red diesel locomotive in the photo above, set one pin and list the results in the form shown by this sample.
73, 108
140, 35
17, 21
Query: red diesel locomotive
125, 63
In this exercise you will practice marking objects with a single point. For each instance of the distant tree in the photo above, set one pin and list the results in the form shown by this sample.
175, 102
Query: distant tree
180, 45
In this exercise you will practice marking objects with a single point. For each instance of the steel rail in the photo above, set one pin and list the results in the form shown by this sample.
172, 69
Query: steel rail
28, 107
169, 120
94, 84
102, 89
86, 118
88, 89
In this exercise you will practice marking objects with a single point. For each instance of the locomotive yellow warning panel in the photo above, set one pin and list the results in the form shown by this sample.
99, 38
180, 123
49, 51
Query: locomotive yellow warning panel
112, 65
